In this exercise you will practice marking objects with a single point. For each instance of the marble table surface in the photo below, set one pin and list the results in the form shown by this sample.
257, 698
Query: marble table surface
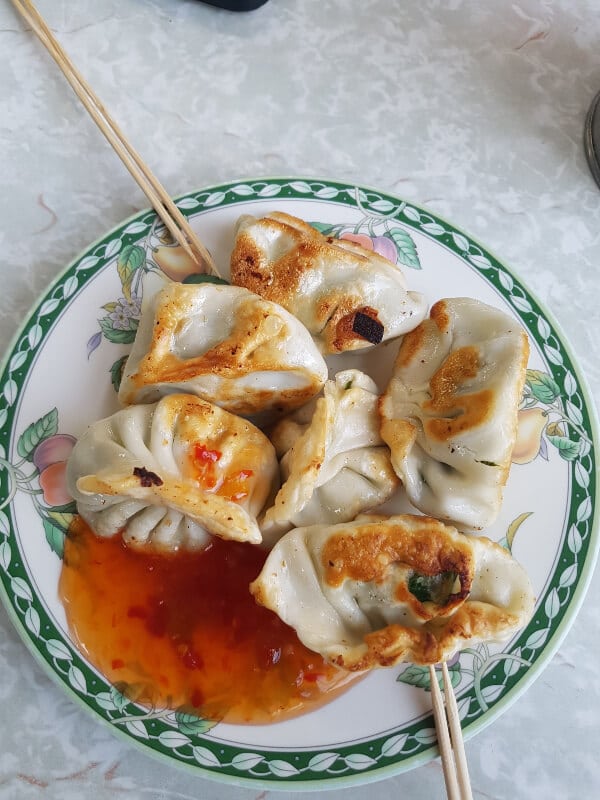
475, 110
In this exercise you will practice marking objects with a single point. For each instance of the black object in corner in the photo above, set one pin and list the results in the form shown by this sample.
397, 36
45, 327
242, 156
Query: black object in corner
236, 5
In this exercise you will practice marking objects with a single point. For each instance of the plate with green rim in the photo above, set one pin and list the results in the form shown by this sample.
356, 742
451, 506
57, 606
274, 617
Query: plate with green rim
382, 725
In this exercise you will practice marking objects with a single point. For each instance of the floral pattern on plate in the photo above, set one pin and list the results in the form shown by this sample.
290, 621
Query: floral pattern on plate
556, 453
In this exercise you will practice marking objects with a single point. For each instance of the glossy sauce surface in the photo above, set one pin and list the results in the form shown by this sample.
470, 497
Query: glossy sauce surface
182, 630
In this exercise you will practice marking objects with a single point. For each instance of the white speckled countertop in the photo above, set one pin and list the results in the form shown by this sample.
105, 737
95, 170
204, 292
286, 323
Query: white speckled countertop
475, 110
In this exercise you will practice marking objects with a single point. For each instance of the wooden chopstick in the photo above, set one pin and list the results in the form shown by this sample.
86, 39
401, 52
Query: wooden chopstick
450, 738
161, 201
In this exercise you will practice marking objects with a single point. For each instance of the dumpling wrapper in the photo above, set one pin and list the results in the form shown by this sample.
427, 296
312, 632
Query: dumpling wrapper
347, 590
226, 345
348, 297
449, 413
172, 474
336, 464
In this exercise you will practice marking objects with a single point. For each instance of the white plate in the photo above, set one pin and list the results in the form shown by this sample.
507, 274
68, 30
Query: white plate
57, 378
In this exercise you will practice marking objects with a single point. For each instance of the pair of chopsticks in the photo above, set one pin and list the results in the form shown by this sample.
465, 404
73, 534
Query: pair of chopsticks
456, 774
162, 203
450, 738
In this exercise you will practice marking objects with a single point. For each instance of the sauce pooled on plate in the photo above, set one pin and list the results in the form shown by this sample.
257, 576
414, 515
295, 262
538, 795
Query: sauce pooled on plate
182, 630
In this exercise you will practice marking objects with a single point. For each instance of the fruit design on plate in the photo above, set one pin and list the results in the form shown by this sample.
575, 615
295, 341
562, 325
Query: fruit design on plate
384, 245
41, 473
50, 458
545, 418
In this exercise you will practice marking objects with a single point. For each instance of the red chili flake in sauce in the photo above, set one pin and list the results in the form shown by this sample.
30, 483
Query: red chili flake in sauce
206, 471
202, 453
312, 677
204, 461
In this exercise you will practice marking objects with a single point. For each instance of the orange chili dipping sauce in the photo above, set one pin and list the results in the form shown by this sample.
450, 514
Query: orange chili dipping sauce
182, 630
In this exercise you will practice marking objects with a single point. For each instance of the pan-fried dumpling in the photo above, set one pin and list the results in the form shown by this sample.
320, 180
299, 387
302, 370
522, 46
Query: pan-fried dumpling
172, 474
449, 413
348, 297
378, 591
336, 464
226, 345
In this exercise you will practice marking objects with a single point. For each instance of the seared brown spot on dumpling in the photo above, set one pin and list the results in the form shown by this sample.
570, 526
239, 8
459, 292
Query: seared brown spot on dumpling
368, 326
439, 314
147, 478
369, 552
399, 434
413, 344
459, 409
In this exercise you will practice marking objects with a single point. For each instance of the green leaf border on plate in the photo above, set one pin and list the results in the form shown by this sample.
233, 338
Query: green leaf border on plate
377, 757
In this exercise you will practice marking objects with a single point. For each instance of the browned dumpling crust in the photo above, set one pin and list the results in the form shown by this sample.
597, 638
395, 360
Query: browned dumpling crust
449, 412
224, 344
348, 297
383, 590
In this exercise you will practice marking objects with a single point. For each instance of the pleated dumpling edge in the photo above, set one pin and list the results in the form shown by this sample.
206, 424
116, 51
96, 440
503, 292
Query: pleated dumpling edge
172, 474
